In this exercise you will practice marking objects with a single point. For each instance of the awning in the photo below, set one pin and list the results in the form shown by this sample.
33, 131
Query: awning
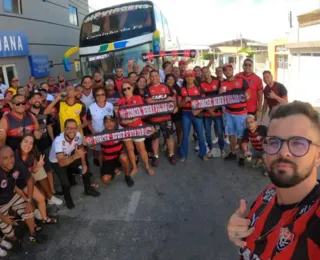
300, 45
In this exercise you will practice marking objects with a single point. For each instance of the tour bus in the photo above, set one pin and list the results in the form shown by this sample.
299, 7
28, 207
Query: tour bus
110, 37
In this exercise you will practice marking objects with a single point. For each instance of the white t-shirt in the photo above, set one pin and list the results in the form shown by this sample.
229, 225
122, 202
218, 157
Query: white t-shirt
61, 145
50, 97
3, 89
87, 100
98, 113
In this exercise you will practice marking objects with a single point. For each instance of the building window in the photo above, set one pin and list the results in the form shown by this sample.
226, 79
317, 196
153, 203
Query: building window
12, 6
73, 15
7, 73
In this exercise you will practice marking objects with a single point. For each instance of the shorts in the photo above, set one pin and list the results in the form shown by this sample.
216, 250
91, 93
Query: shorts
256, 154
235, 124
165, 127
40, 175
109, 167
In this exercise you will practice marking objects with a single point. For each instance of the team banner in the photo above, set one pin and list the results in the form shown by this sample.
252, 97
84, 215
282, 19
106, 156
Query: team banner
124, 133
179, 53
218, 101
146, 110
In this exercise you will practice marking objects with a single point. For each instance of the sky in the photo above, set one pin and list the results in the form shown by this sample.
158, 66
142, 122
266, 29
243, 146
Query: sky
204, 22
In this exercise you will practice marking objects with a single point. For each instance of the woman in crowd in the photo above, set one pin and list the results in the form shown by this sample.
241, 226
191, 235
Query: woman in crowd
140, 85
95, 114
129, 99
113, 95
170, 80
190, 117
27, 154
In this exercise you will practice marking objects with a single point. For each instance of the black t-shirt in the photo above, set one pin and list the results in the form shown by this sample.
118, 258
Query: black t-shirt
44, 120
8, 180
25, 173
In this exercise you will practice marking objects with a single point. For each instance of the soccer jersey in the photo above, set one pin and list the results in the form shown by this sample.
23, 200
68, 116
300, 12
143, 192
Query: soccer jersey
61, 145
87, 100
95, 115
211, 89
189, 92
111, 150
283, 231
133, 101
256, 137
255, 85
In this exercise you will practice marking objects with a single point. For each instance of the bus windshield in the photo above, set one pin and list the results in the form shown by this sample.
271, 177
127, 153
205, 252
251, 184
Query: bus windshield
115, 24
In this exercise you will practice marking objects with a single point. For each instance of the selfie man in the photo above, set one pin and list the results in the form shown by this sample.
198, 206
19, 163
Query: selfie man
283, 222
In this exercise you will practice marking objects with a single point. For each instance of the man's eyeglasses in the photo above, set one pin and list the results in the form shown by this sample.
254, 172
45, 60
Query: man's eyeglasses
247, 65
20, 104
109, 83
297, 145
71, 128
125, 89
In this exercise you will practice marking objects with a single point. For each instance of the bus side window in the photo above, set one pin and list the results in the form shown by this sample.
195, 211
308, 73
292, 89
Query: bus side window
166, 28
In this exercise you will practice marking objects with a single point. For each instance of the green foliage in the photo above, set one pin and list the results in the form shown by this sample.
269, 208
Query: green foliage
208, 56
248, 51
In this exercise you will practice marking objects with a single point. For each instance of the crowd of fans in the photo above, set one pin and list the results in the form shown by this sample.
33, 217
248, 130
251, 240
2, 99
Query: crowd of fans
42, 130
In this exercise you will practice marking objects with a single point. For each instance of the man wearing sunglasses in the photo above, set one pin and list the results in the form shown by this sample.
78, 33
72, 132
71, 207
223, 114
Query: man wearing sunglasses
256, 88
17, 123
283, 222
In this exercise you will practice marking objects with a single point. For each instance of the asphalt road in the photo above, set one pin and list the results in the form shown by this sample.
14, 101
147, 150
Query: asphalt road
179, 213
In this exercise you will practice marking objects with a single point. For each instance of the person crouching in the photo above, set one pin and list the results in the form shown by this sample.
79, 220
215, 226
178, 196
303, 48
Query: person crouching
113, 156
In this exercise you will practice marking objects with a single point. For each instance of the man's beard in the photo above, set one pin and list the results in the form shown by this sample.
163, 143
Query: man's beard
36, 105
283, 179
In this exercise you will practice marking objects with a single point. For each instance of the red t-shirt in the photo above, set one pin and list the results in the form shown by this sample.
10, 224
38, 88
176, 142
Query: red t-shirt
189, 92
238, 85
119, 83
211, 89
255, 84
133, 101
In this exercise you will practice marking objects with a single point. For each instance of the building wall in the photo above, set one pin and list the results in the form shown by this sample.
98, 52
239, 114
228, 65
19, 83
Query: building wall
272, 54
49, 32
307, 34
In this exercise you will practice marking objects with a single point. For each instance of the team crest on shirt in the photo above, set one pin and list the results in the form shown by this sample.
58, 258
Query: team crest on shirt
163, 90
259, 138
236, 83
250, 81
196, 92
76, 138
4, 184
134, 101
268, 195
285, 238
77, 112
15, 174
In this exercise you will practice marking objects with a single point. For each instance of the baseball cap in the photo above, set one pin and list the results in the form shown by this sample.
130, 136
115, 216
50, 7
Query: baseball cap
182, 62
107, 117
227, 65
189, 73
34, 93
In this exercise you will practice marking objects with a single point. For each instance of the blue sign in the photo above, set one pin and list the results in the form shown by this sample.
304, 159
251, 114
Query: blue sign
39, 66
13, 43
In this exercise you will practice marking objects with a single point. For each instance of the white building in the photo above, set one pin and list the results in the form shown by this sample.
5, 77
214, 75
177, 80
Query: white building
304, 61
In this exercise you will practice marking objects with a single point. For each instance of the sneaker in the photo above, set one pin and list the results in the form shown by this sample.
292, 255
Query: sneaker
37, 214
55, 201
5, 244
265, 173
155, 162
197, 148
226, 140
173, 160
215, 140
195, 137
96, 162
241, 162
129, 181
92, 192
3, 252
230, 156
223, 153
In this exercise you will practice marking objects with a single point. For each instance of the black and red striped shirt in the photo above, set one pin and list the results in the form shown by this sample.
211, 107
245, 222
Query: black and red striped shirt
111, 150
211, 89
236, 86
160, 92
189, 92
284, 231
256, 137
